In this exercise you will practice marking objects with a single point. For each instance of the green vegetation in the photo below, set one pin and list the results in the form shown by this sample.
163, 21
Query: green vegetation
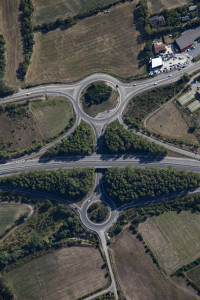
9, 213
27, 9
142, 105
71, 184
97, 93
139, 184
70, 21
107, 296
80, 142
98, 212
5, 291
119, 140
4, 90
194, 275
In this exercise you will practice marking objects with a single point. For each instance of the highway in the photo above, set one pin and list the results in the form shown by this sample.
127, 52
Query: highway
100, 161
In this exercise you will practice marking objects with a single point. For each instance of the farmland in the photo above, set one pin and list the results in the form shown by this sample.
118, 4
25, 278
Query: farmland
94, 44
156, 6
10, 28
50, 10
169, 122
139, 278
194, 275
25, 124
59, 274
9, 212
170, 237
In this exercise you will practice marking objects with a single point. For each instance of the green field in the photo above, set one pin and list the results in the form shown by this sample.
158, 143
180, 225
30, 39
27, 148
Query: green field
9, 212
194, 275
60, 274
158, 5
53, 115
173, 238
50, 10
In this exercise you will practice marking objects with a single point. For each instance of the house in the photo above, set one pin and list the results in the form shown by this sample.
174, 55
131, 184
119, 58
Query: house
157, 21
159, 48
187, 38
198, 94
185, 19
192, 8
156, 62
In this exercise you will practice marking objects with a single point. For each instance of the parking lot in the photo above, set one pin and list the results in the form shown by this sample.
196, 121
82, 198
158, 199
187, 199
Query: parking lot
172, 60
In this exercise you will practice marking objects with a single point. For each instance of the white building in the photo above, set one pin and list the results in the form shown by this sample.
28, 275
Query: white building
156, 62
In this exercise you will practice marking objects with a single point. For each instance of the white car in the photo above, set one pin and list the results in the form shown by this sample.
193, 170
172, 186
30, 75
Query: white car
155, 83
88, 200
134, 84
170, 75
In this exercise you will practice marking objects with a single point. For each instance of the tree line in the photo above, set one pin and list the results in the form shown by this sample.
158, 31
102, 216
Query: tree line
5, 291
142, 105
119, 140
80, 142
4, 89
27, 9
138, 184
70, 21
71, 184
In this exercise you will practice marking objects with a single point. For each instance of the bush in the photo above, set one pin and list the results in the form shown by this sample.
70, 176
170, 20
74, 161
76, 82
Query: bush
97, 93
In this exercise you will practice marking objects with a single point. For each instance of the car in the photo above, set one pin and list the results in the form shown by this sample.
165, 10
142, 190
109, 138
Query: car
88, 200
170, 75
155, 83
134, 84
117, 86
28, 94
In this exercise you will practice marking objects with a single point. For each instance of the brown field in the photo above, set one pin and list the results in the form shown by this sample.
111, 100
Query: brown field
50, 10
157, 5
194, 274
103, 43
10, 28
67, 273
169, 122
44, 119
139, 278
173, 238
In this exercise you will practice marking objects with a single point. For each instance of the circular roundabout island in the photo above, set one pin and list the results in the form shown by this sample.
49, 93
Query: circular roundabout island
99, 99
98, 212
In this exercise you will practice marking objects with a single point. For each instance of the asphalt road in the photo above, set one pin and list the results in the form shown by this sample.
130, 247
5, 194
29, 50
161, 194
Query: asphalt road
126, 92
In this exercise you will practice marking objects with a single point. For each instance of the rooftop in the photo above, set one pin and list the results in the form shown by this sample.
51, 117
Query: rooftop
157, 18
188, 37
156, 62
159, 47
193, 7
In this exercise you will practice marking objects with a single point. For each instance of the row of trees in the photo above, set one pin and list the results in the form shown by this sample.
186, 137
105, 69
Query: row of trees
80, 142
4, 89
70, 21
97, 93
27, 10
119, 140
142, 105
72, 184
139, 184
5, 291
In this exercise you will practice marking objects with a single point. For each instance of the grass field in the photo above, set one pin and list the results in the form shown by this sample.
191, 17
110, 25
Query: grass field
194, 275
173, 238
50, 10
169, 122
103, 43
67, 273
138, 276
10, 28
44, 119
157, 5
9, 212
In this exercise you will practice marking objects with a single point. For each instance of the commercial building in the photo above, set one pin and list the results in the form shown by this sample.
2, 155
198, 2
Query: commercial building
187, 38
156, 62
159, 48
194, 106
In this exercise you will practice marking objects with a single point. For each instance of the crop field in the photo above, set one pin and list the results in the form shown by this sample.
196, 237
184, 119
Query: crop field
194, 275
10, 28
157, 5
60, 274
44, 119
173, 238
169, 122
9, 212
49, 10
103, 43
138, 276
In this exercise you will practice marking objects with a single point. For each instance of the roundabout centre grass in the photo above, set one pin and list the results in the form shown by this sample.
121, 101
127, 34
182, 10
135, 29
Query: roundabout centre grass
98, 212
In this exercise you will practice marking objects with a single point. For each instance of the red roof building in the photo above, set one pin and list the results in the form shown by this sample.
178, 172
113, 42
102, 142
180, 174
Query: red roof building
158, 48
